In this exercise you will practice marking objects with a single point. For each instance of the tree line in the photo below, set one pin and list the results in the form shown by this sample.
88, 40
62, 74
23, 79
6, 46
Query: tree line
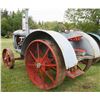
87, 20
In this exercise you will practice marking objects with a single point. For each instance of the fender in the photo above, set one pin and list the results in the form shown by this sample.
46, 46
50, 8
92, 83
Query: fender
66, 48
95, 47
96, 37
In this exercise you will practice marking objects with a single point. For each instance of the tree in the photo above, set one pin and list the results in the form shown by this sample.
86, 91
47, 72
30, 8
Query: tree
84, 19
4, 26
4, 13
56, 26
10, 22
32, 24
16, 20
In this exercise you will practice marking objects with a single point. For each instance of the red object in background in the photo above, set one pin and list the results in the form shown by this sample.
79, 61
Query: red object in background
78, 38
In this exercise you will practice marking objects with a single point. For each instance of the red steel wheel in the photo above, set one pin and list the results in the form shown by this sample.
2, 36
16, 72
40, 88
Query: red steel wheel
8, 58
44, 64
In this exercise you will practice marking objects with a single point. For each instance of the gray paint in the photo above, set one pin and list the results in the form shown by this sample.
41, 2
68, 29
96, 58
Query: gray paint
25, 26
66, 48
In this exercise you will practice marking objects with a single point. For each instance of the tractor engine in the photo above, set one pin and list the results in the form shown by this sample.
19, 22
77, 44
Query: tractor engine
18, 38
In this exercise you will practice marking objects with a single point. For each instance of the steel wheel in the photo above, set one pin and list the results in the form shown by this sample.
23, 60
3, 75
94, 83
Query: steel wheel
8, 58
85, 64
44, 64
96, 60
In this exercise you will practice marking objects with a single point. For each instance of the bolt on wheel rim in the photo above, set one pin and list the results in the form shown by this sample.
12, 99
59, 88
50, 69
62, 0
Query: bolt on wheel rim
41, 64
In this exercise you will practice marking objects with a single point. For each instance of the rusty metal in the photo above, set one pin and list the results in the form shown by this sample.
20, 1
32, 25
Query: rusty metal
8, 58
19, 58
74, 73
43, 64
86, 64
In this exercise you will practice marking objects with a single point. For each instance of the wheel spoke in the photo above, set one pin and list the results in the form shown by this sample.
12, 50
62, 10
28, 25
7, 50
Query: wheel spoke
33, 68
49, 75
32, 55
85, 65
45, 54
6, 55
42, 75
7, 58
33, 72
51, 65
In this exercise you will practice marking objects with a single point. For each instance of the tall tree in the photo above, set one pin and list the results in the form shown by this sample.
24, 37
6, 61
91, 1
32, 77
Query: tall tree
84, 19
10, 21
32, 23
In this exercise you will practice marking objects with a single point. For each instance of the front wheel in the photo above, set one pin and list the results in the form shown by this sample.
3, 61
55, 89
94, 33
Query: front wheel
44, 64
8, 58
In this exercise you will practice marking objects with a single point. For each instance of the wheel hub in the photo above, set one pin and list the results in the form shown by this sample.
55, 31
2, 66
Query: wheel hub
38, 65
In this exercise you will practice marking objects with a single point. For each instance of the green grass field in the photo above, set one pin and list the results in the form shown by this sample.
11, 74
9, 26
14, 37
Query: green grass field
17, 79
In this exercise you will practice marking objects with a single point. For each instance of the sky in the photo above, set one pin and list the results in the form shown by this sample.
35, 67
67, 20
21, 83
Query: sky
47, 10
44, 14
47, 15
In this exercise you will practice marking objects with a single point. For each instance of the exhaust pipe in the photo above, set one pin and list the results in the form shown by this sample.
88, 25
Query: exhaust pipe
25, 26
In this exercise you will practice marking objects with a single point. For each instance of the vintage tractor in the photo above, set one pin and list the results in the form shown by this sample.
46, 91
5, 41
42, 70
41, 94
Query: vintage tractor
50, 56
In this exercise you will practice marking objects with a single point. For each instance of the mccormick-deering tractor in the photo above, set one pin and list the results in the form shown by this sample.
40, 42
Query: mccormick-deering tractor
50, 56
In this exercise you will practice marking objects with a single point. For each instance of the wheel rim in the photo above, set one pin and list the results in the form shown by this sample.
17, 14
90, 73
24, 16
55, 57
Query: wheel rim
41, 64
8, 58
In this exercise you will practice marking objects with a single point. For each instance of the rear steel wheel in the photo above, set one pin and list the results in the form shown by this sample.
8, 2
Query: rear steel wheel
96, 60
85, 64
44, 65
8, 58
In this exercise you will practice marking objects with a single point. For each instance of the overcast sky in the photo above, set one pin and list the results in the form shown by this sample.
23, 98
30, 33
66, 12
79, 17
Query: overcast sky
48, 10
45, 14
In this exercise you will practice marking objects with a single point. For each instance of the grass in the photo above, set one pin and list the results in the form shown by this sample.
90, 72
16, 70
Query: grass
17, 79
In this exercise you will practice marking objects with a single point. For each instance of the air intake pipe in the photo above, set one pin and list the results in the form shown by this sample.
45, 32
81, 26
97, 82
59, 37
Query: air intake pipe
25, 26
